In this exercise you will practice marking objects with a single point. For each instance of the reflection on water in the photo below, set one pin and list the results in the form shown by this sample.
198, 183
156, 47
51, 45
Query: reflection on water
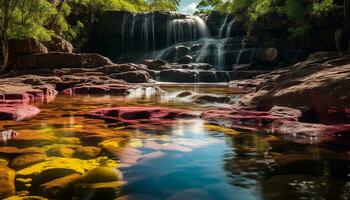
188, 160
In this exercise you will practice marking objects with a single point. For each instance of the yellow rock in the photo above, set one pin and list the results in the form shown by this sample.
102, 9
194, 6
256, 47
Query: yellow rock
221, 129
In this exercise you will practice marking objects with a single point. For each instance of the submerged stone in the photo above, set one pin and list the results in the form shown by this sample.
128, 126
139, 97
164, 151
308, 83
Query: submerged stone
25, 160
60, 186
87, 152
102, 174
61, 152
7, 182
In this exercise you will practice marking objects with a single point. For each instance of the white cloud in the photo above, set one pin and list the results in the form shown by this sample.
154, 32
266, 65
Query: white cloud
189, 9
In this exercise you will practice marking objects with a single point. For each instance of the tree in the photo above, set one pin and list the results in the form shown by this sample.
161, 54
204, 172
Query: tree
23, 19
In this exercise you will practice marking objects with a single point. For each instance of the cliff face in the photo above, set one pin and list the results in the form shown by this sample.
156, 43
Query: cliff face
124, 36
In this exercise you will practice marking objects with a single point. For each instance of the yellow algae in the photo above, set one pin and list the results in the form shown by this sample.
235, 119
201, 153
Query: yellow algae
25, 198
70, 140
77, 165
221, 129
24, 180
55, 146
119, 128
135, 143
79, 126
271, 138
122, 142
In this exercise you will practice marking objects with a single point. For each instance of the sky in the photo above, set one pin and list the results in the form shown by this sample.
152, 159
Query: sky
188, 6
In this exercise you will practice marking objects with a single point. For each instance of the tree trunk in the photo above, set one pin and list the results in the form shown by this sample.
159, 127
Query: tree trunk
5, 51
346, 25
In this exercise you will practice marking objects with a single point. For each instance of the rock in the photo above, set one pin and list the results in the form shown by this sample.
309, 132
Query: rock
185, 59
313, 85
87, 152
4, 161
116, 68
26, 46
133, 76
59, 44
178, 75
117, 89
182, 51
17, 112
61, 152
207, 98
26, 160
137, 115
7, 135
28, 138
12, 92
268, 55
13, 151
250, 120
104, 190
56, 60
60, 187
309, 133
7, 182
125, 155
102, 175
155, 64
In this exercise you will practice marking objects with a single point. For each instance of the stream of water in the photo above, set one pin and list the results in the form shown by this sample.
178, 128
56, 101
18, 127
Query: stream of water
200, 162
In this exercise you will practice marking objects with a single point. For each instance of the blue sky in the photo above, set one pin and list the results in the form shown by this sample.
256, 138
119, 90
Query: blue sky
188, 6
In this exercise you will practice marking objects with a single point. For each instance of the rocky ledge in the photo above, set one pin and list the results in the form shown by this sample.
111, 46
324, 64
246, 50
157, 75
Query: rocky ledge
319, 87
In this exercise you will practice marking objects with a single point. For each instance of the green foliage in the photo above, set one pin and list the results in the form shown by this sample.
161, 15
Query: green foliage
27, 18
297, 11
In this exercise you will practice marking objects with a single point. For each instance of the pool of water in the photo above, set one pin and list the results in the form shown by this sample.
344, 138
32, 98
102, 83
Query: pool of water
191, 159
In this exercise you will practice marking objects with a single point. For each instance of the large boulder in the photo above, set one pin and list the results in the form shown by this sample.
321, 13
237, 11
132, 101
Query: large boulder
59, 44
313, 85
54, 60
26, 46
155, 64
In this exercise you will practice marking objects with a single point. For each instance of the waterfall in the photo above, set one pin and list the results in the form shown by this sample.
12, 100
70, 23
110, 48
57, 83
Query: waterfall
188, 29
202, 27
229, 28
221, 30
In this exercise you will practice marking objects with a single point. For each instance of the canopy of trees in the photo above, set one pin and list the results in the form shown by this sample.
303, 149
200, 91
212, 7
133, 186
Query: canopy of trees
41, 19
297, 11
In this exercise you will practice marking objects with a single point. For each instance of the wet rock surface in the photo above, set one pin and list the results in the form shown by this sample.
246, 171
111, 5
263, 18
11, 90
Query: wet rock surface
317, 85
136, 115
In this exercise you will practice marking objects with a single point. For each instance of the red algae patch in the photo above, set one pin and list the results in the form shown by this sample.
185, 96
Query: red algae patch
17, 112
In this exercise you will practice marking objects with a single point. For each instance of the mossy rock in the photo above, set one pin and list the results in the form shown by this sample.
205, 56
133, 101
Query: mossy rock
61, 152
59, 187
87, 152
4, 161
26, 160
107, 190
102, 174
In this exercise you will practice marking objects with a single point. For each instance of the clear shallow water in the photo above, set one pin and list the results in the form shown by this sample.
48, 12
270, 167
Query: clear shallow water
191, 160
